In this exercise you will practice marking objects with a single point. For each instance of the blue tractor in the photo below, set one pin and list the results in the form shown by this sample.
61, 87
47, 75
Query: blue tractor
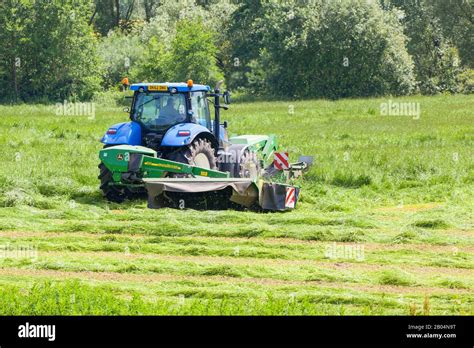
174, 120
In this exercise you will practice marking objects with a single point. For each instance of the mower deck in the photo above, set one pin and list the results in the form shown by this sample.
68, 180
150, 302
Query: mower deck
196, 192
219, 193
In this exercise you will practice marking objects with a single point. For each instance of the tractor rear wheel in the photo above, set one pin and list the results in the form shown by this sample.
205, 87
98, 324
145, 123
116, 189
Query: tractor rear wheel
199, 153
111, 192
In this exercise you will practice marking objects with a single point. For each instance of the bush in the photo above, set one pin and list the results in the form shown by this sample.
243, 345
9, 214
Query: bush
122, 54
466, 79
185, 50
189, 55
333, 49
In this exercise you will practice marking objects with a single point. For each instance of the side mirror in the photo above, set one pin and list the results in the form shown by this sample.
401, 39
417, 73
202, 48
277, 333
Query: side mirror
226, 96
225, 124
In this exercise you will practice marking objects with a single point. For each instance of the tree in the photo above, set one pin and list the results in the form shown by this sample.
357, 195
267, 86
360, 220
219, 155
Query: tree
111, 14
456, 19
181, 43
154, 65
246, 30
149, 7
13, 19
193, 54
437, 63
106, 16
53, 48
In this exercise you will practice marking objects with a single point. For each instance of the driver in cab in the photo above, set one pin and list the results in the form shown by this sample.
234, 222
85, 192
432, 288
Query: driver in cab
173, 111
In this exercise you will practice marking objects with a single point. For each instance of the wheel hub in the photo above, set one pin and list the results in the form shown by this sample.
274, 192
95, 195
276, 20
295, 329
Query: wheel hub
202, 161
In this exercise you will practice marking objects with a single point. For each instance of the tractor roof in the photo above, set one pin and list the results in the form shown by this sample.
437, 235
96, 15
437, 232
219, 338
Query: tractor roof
180, 86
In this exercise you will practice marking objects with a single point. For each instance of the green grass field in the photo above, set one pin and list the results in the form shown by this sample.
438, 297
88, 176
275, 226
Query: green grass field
384, 224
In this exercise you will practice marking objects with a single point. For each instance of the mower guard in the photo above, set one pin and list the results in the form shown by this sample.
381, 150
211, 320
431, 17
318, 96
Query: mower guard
245, 192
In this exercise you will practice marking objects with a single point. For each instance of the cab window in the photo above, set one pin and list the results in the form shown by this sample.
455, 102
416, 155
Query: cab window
200, 109
159, 110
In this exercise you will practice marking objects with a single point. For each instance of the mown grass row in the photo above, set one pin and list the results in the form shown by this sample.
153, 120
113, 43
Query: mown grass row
455, 257
446, 224
386, 274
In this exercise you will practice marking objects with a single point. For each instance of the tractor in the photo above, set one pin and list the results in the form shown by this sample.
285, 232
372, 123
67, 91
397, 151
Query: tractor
171, 123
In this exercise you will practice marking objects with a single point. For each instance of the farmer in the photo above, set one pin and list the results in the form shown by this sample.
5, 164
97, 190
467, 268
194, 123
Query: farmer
172, 110
125, 83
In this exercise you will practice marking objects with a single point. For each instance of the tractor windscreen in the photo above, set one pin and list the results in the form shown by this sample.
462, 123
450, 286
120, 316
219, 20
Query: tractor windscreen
158, 111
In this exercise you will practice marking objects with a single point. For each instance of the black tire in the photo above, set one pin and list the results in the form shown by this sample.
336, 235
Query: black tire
199, 153
249, 166
198, 149
111, 192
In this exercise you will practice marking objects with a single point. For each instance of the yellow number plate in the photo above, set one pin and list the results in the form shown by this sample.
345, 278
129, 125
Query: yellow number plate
158, 88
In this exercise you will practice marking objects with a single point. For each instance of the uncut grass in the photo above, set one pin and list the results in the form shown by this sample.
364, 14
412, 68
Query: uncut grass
104, 300
188, 298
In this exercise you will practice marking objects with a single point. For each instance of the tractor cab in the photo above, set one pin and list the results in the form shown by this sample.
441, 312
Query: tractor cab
169, 113
157, 107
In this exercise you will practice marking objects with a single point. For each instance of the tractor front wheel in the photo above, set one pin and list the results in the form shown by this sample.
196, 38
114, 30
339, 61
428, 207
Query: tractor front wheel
111, 192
